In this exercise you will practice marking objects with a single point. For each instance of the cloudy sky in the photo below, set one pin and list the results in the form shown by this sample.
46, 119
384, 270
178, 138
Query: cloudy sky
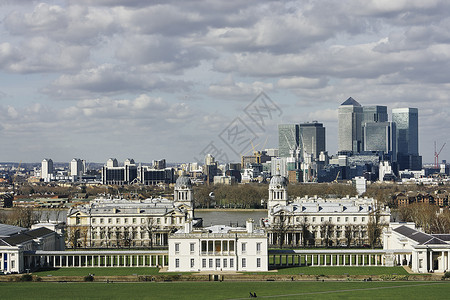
175, 79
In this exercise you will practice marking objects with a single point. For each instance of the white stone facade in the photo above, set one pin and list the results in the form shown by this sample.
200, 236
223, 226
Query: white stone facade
218, 248
421, 251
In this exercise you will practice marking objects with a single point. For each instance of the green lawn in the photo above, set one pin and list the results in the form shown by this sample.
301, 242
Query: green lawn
99, 271
226, 290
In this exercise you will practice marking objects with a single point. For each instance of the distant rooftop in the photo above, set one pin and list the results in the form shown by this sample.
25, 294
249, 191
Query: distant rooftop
351, 101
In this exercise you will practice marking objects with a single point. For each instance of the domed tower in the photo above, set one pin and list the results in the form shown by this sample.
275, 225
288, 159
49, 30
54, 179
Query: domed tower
277, 191
183, 193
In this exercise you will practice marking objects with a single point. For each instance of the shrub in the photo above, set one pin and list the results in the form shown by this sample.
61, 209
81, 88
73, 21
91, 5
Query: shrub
89, 277
26, 277
446, 275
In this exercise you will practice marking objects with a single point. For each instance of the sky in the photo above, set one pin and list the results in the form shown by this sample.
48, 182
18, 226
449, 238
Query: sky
149, 80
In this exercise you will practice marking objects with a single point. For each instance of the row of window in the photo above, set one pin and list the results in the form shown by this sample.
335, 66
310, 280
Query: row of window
330, 219
218, 246
149, 221
219, 263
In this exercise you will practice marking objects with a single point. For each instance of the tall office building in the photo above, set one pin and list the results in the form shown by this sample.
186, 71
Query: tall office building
312, 138
288, 139
407, 122
375, 113
380, 137
47, 168
350, 117
76, 167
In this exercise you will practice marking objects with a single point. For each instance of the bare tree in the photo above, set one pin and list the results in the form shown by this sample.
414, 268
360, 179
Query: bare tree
23, 217
349, 233
280, 227
375, 227
150, 227
326, 232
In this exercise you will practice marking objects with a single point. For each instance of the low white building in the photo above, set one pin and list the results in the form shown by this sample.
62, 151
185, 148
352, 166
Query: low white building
218, 248
313, 221
131, 223
421, 251
13, 247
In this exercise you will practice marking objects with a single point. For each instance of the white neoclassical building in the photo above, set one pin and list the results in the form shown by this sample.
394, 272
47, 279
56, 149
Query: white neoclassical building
421, 251
314, 221
218, 248
131, 223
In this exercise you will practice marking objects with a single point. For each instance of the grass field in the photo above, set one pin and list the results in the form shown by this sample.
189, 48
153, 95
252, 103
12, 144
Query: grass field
98, 271
289, 271
226, 290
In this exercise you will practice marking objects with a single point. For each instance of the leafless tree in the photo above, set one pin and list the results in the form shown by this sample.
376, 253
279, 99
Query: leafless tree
150, 226
349, 233
326, 232
375, 227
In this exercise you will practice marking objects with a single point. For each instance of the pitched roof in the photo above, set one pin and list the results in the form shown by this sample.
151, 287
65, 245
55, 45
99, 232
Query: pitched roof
351, 101
420, 237
8, 230
22, 237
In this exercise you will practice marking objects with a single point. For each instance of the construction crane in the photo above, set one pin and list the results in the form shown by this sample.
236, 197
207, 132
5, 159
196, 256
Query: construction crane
436, 155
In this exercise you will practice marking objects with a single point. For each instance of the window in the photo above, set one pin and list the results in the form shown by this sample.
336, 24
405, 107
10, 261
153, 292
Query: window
314, 219
192, 247
244, 247
354, 219
363, 219
192, 262
134, 220
231, 262
321, 219
258, 262
125, 220
244, 263
177, 247
346, 219
109, 220
118, 221
101, 220
338, 219
177, 262
329, 219
225, 263
306, 219
77, 220
142, 220
258, 247
210, 262
93, 220
204, 263
217, 262
13, 264
158, 221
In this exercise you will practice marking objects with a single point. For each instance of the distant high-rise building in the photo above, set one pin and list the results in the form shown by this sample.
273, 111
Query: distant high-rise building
349, 126
76, 167
375, 113
46, 168
407, 123
113, 174
159, 164
312, 138
380, 136
288, 139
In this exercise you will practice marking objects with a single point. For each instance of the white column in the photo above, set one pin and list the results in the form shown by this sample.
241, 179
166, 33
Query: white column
312, 259
363, 258
370, 259
431, 261
350, 257
376, 260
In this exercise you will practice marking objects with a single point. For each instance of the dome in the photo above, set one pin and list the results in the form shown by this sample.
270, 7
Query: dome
183, 182
278, 180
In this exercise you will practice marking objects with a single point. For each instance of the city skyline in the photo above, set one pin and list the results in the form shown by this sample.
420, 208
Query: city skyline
148, 81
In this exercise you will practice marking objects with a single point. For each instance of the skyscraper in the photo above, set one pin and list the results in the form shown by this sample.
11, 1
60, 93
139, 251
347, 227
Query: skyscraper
76, 167
288, 139
407, 122
375, 113
46, 169
380, 136
312, 138
349, 126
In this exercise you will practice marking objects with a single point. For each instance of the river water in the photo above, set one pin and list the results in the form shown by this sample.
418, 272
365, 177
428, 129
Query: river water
210, 217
